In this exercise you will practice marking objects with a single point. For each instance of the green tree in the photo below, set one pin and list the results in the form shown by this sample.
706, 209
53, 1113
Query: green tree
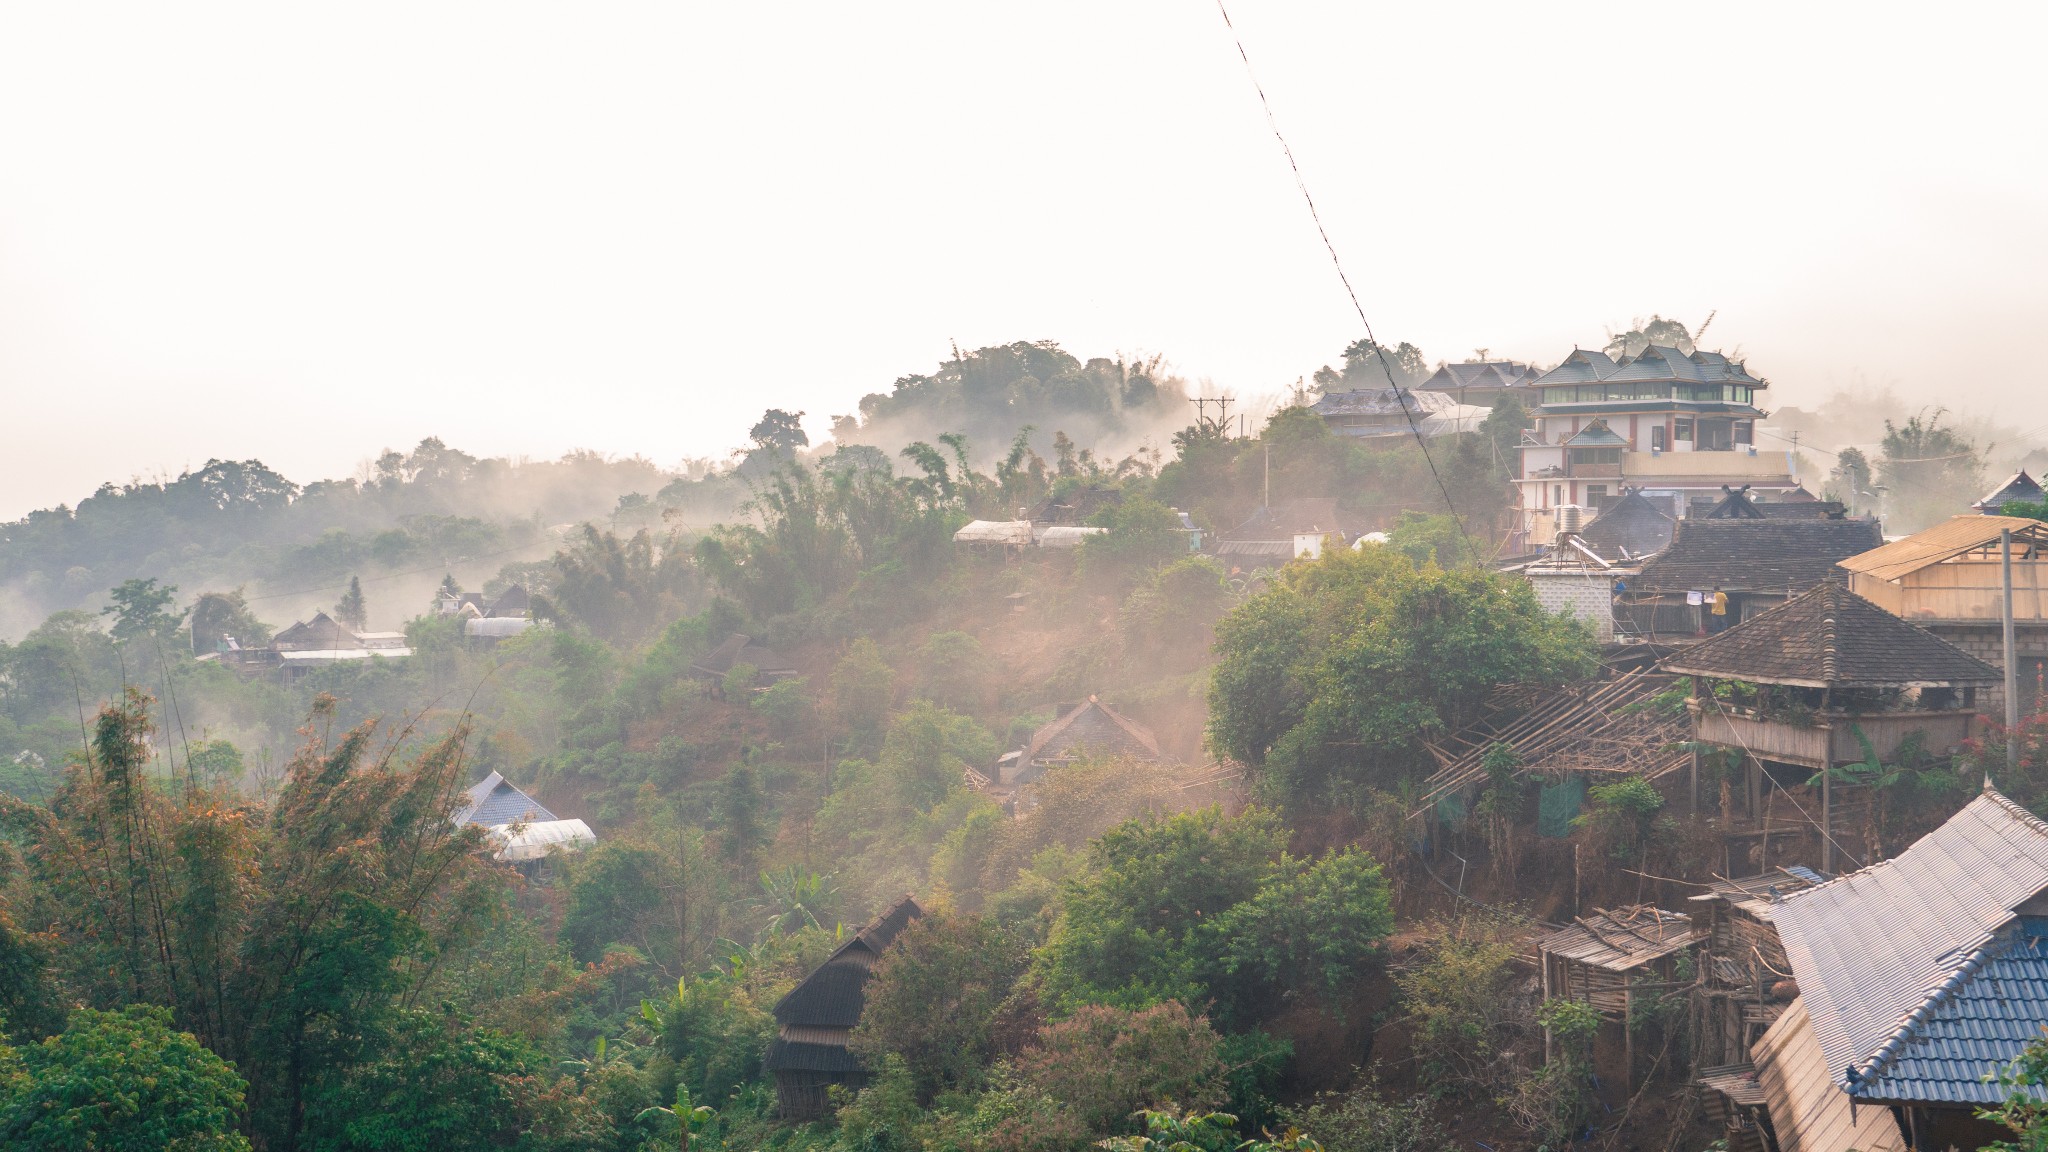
779, 431
1103, 1063
1930, 468
2024, 1110
1140, 535
141, 611
862, 687
350, 611
123, 1081
933, 999
220, 614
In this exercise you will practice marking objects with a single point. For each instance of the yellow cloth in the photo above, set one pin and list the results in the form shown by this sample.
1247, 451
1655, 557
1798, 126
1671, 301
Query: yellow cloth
1720, 603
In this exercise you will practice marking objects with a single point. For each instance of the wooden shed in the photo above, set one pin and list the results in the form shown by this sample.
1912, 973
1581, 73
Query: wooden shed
1607, 958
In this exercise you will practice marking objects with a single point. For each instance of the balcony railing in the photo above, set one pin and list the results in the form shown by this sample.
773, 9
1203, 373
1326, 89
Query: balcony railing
1831, 738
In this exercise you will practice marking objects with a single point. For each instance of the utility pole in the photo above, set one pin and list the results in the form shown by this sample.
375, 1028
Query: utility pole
1268, 503
2012, 675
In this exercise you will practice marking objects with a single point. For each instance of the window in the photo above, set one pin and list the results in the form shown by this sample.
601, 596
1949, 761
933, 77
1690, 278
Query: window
1657, 438
1596, 495
1683, 430
1745, 431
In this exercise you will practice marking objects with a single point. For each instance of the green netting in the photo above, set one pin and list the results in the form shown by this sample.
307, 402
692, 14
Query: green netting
1450, 811
1557, 804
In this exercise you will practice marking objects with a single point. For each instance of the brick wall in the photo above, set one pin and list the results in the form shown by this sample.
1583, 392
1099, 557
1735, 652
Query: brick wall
1986, 641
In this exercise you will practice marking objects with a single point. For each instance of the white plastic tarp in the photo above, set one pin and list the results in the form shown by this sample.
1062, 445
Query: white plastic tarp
532, 841
1066, 536
995, 532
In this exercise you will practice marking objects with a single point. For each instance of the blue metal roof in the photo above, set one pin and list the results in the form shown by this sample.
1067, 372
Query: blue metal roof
1872, 950
1972, 1026
494, 801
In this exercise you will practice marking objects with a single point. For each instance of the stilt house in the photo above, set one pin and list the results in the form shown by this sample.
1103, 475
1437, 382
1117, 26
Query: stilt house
816, 1019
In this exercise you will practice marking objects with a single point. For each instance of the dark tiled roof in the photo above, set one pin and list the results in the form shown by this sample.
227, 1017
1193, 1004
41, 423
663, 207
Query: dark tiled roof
1831, 636
2019, 487
512, 602
1581, 367
1660, 363
1755, 555
1283, 520
493, 801
1948, 1049
1877, 952
1478, 374
1734, 504
738, 649
1630, 528
831, 997
1596, 435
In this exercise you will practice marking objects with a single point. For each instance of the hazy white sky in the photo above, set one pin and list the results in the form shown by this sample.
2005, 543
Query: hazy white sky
306, 232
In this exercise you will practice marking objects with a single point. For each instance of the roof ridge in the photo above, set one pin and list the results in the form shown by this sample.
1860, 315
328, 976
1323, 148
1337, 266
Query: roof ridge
1942, 991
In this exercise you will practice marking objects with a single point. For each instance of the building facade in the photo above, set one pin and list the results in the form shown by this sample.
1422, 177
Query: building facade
1674, 425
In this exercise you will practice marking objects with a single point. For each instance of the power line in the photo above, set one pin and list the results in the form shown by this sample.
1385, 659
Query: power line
1301, 183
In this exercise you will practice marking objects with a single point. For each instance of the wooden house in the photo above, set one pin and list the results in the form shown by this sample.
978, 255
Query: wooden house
320, 634
1757, 564
1090, 730
1483, 383
1949, 579
1277, 533
737, 650
815, 1020
1917, 980
1607, 959
2019, 486
1835, 679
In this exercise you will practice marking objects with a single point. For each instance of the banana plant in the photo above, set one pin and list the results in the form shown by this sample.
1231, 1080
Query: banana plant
691, 1117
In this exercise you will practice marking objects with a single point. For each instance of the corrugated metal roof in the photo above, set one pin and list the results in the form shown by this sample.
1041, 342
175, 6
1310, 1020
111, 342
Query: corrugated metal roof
1809, 1111
1943, 542
1972, 1026
1872, 946
494, 801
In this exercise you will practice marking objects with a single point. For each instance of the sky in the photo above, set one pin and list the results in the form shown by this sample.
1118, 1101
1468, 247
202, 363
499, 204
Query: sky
304, 233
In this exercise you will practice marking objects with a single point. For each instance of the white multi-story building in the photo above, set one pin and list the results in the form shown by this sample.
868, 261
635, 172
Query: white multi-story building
1670, 424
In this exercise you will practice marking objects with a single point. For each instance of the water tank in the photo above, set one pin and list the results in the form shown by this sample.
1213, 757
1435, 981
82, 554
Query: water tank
1571, 518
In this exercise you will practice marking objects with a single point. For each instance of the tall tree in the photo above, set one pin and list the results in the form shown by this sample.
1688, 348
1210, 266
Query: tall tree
216, 615
141, 611
350, 610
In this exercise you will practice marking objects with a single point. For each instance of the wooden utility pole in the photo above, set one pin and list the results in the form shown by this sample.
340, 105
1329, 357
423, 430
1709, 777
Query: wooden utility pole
2012, 675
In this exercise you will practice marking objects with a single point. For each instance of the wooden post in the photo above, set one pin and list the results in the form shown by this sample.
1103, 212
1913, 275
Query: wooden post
2012, 675
1544, 959
1628, 1039
1827, 819
1697, 705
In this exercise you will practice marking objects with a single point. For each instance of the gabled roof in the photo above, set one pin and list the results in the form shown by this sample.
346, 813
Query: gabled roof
739, 648
1735, 504
1755, 555
494, 801
1581, 367
512, 601
2019, 486
1478, 374
1830, 637
1630, 528
1092, 728
1395, 402
322, 631
1286, 519
1658, 362
1876, 952
1596, 435
1946, 542
830, 997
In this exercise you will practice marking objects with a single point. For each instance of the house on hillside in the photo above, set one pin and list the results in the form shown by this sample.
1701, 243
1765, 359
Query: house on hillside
324, 640
1824, 680
1917, 979
1088, 730
1949, 579
995, 535
1275, 534
520, 827
1755, 564
1392, 415
2019, 486
739, 649
1602, 959
815, 1021
1673, 424
511, 614
1072, 507
1482, 383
